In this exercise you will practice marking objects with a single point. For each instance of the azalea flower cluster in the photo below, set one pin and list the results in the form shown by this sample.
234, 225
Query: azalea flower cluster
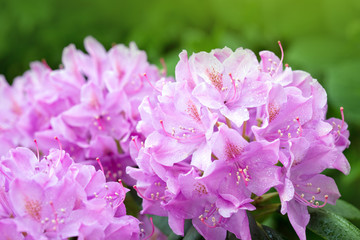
229, 128
226, 131
55, 198
90, 104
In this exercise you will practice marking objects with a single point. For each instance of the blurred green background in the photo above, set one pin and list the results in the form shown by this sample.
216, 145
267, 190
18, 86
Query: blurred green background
321, 37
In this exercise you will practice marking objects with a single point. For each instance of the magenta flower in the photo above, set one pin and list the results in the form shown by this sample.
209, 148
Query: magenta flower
219, 78
56, 198
205, 147
236, 127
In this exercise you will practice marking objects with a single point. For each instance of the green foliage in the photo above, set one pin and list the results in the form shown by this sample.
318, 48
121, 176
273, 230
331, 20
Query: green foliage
344, 87
259, 231
331, 226
344, 209
321, 37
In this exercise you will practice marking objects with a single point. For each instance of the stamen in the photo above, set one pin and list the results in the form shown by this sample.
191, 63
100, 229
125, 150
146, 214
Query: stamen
342, 117
101, 166
37, 150
55, 213
282, 56
98, 122
185, 136
60, 147
117, 195
234, 86
244, 175
134, 140
141, 195
211, 211
46, 64
167, 134
210, 226
152, 231
300, 128
146, 78
310, 203
163, 64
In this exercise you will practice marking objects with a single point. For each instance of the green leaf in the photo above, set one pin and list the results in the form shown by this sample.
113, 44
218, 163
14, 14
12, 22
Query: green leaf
259, 231
331, 226
344, 209
192, 234
173, 236
162, 224
271, 233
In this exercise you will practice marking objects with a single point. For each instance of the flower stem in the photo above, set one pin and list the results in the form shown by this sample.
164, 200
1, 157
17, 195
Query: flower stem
264, 198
